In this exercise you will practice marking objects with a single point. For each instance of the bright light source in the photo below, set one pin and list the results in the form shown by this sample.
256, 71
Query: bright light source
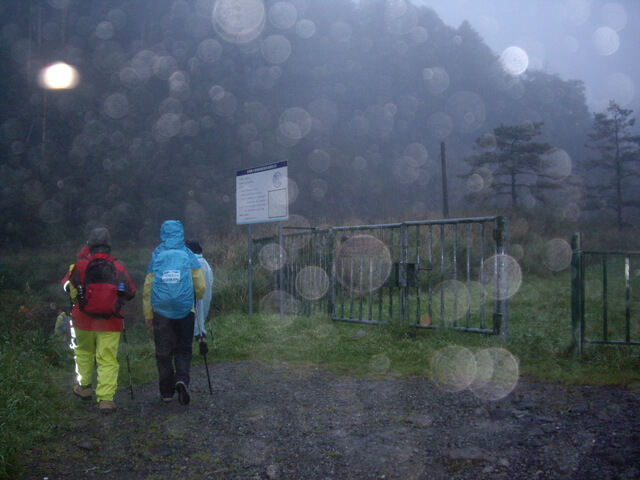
59, 76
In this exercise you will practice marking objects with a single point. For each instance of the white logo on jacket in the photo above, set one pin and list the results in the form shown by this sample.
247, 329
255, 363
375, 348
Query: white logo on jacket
171, 276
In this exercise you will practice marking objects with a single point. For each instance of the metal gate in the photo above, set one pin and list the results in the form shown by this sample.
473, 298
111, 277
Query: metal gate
424, 274
605, 306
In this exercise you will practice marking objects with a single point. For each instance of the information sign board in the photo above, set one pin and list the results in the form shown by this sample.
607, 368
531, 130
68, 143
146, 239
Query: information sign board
262, 194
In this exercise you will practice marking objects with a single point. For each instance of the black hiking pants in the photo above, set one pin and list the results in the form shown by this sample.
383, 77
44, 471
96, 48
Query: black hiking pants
173, 339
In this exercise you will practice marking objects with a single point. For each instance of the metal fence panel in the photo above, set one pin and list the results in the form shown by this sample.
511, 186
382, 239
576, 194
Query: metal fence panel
605, 303
422, 274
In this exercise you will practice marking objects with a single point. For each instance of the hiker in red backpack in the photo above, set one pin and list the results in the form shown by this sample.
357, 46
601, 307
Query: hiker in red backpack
102, 285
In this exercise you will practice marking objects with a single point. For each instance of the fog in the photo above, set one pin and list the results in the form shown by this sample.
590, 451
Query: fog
126, 113
594, 41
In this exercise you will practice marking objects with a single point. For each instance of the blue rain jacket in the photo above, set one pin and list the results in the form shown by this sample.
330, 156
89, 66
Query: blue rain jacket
172, 290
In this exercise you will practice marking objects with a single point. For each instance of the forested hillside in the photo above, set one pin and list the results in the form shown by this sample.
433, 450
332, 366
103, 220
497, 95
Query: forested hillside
176, 96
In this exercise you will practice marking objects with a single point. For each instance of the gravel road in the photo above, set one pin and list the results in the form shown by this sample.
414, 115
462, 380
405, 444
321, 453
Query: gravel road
284, 421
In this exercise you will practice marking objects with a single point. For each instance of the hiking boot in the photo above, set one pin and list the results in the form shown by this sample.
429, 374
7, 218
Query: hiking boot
107, 406
183, 393
84, 392
167, 399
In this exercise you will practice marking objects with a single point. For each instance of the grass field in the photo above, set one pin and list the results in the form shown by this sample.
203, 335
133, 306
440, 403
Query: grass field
37, 371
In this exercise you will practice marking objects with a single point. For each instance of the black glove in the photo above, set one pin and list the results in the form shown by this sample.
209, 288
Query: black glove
202, 344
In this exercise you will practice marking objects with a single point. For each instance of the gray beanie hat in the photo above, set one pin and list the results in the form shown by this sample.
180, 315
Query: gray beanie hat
99, 237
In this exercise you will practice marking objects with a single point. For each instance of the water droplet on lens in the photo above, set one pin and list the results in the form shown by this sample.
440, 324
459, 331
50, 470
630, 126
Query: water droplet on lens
515, 60
283, 15
501, 276
467, 110
556, 164
497, 374
272, 256
319, 160
474, 183
436, 79
209, 50
312, 283
276, 49
453, 368
305, 28
557, 254
362, 263
239, 21
279, 302
606, 41
116, 105
379, 363
450, 302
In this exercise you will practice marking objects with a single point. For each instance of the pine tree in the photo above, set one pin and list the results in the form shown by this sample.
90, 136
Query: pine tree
510, 164
616, 169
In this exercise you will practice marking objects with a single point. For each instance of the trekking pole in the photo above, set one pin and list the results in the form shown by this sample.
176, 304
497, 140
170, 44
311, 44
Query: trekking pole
126, 354
204, 354
206, 366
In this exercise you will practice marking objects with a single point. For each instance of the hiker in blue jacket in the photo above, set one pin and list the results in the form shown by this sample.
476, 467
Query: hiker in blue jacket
174, 281
202, 305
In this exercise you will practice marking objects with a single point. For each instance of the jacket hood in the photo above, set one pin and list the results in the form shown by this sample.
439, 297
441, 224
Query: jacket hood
172, 234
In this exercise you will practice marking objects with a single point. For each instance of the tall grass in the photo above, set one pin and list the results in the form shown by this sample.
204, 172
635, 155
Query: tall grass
539, 336
31, 367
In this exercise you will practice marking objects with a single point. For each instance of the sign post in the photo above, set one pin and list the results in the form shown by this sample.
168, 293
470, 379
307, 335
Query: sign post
261, 196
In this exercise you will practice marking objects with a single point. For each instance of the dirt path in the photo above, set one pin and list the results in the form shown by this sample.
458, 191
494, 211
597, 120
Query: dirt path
290, 422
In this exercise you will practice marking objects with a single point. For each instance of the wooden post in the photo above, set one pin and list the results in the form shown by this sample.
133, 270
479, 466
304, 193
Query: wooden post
250, 285
445, 193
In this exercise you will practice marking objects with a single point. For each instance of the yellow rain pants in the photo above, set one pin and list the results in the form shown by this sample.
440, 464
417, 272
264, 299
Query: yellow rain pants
101, 349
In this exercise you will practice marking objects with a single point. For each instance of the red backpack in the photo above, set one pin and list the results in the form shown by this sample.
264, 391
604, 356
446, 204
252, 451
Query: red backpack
98, 292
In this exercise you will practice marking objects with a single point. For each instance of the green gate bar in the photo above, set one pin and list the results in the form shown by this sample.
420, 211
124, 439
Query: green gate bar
442, 260
577, 295
616, 310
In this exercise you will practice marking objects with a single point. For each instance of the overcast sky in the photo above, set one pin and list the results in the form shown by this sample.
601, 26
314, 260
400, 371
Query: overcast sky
597, 41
